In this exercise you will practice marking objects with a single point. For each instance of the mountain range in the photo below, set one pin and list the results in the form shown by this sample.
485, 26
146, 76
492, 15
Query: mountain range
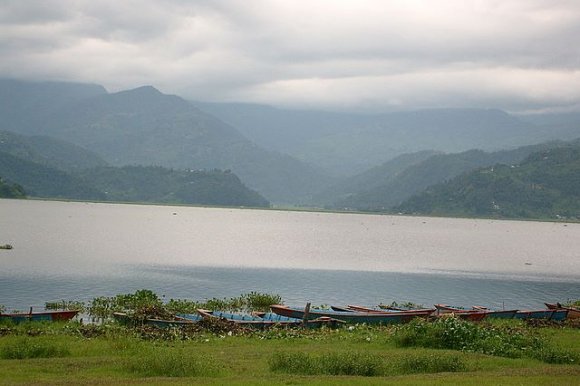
290, 157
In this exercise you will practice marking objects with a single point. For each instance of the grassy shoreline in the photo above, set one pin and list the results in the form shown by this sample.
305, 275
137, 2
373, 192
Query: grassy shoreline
359, 355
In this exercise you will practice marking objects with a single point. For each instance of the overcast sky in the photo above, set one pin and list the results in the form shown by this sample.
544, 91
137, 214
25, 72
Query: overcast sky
333, 54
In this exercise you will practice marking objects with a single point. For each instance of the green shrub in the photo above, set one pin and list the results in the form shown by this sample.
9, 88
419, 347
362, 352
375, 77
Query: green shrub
505, 339
23, 347
170, 362
256, 301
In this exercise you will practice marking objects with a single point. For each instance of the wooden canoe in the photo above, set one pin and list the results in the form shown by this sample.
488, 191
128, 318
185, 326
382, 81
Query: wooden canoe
49, 316
350, 316
267, 320
129, 320
352, 307
573, 313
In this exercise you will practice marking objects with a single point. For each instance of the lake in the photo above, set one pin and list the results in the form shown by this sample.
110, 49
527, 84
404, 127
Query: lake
76, 251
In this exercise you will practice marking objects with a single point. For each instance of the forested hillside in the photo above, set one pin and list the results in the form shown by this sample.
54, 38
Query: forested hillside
31, 164
545, 185
433, 170
48, 151
44, 181
162, 185
146, 127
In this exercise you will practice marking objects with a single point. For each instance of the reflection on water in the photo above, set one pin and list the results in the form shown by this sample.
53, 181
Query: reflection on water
81, 250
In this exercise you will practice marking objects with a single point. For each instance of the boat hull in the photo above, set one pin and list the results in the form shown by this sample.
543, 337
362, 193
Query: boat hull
350, 316
46, 316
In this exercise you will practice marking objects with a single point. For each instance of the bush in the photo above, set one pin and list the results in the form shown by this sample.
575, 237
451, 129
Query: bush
26, 348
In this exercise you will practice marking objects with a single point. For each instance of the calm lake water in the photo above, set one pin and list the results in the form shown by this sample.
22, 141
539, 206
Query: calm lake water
76, 251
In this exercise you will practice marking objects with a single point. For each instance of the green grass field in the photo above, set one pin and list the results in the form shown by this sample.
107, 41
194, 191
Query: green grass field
111, 354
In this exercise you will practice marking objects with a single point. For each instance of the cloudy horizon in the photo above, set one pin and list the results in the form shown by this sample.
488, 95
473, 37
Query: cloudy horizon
519, 56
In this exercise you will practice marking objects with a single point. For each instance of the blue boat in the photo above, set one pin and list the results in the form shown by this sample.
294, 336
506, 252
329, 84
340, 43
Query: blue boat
534, 314
266, 320
560, 315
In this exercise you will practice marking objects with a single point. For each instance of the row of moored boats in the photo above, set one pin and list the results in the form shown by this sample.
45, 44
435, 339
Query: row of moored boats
282, 315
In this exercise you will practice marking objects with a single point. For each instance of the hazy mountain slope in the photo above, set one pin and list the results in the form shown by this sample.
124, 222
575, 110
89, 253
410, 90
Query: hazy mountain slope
433, 170
144, 126
370, 179
351, 143
11, 190
24, 105
280, 129
49, 151
130, 183
157, 184
546, 184
43, 181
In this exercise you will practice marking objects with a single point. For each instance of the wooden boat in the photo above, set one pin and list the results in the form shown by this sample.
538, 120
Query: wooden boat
352, 307
49, 316
267, 320
534, 314
129, 320
573, 313
476, 310
350, 316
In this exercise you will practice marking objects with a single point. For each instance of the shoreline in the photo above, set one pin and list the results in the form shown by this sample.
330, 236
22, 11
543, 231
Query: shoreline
306, 210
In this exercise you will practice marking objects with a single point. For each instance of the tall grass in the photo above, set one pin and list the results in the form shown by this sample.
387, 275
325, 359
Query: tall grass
363, 364
171, 362
23, 347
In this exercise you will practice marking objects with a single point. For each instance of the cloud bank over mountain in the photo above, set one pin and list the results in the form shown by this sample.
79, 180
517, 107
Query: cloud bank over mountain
364, 55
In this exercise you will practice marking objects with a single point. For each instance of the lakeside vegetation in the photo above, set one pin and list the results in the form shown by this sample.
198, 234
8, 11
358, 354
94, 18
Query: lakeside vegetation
444, 351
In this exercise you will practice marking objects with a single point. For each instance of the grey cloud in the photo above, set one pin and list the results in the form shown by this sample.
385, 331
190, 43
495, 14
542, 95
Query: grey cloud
510, 54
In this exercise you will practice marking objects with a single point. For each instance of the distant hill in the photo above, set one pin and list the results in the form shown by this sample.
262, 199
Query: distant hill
130, 183
373, 178
420, 175
347, 144
544, 185
162, 185
48, 151
146, 127
44, 181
